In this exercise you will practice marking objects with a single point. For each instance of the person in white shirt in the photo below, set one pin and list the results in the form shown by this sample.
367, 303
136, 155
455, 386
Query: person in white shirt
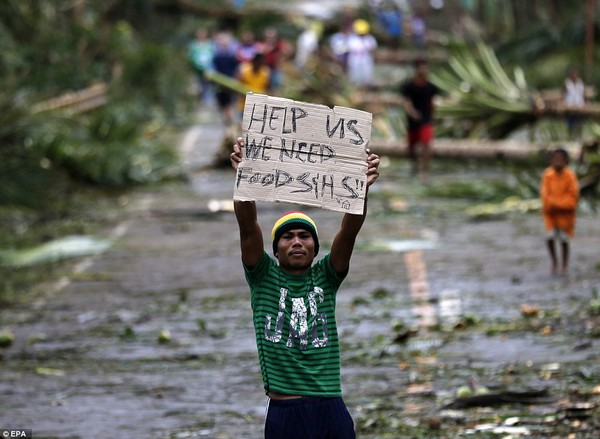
574, 96
361, 45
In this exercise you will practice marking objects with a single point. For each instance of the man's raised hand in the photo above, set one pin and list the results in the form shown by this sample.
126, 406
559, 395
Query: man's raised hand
236, 155
372, 167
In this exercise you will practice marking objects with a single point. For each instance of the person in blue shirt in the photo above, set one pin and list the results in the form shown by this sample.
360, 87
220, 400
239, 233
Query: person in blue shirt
226, 63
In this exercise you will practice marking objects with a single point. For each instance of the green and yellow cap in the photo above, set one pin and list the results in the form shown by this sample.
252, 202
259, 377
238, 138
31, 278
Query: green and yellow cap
294, 220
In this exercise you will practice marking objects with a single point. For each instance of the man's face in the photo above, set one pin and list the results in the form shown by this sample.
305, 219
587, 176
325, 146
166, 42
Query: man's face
422, 70
295, 250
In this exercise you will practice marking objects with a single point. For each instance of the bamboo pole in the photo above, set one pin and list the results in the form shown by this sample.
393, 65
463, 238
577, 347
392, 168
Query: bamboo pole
77, 101
480, 149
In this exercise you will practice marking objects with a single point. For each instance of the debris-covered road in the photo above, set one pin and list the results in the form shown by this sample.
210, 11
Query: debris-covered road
450, 327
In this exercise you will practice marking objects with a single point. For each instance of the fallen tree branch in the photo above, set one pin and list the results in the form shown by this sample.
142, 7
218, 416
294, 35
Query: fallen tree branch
500, 398
77, 101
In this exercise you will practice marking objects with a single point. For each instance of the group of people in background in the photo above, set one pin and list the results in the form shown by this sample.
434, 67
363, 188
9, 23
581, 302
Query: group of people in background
255, 60
399, 21
256, 63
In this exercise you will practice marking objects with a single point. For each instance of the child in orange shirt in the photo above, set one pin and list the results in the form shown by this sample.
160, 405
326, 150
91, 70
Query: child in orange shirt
560, 194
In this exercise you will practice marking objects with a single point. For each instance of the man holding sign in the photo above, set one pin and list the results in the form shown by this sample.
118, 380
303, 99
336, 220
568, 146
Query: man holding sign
294, 300
293, 303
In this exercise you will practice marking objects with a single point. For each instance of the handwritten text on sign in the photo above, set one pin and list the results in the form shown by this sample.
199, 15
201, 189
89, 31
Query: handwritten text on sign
303, 153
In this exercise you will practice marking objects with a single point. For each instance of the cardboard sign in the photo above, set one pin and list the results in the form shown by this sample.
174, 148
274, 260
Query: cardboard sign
303, 153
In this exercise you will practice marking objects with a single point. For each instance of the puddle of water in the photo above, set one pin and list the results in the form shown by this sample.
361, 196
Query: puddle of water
524, 348
220, 205
450, 306
423, 309
399, 246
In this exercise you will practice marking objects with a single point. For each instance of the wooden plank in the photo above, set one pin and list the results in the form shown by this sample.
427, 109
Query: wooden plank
385, 55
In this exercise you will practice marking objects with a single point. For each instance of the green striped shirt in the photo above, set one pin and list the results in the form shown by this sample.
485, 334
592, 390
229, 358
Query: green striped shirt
295, 326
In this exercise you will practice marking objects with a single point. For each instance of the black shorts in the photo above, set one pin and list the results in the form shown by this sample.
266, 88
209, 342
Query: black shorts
308, 418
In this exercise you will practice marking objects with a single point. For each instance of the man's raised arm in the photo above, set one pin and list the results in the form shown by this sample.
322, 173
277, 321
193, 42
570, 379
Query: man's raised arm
251, 239
343, 243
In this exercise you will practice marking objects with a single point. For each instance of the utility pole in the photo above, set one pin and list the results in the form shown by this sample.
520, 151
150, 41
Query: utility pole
589, 39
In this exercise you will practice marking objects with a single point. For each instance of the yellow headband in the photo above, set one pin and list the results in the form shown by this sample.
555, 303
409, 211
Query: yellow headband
294, 220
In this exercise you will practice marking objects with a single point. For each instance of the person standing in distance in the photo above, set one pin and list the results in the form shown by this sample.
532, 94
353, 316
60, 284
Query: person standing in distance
293, 301
559, 191
574, 97
361, 45
418, 103
201, 52
226, 63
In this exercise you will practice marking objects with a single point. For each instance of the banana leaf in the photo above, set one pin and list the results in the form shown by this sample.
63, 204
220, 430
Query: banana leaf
479, 90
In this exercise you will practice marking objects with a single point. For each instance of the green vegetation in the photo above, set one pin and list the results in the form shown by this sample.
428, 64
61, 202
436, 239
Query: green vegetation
483, 100
53, 47
57, 161
6, 338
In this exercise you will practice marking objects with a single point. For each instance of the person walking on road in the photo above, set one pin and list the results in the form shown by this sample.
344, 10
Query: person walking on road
293, 300
419, 93
276, 50
201, 52
226, 63
560, 194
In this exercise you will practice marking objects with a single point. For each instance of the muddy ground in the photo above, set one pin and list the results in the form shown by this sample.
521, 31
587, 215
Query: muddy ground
433, 304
